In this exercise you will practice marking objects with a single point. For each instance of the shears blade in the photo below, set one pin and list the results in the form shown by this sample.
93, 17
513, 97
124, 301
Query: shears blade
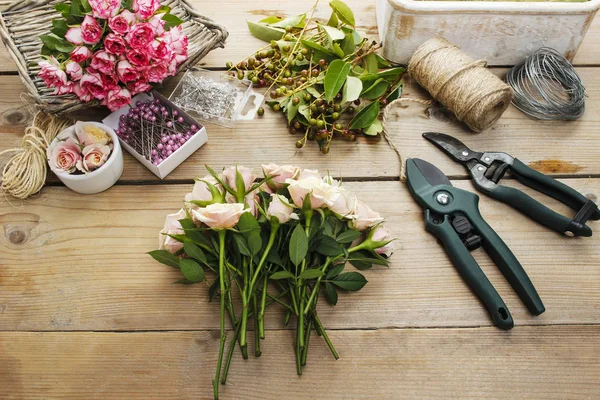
452, 146
430, 172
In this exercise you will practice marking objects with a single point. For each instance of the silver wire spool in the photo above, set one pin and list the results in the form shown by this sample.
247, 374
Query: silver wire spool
547, 87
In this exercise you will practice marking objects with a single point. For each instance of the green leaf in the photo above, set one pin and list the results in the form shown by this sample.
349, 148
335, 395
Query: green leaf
374, 129
332, 33
275, 258
365, 116
247, 222
337, 50
76, 9
313, 91
242, 244
352, 89
304, 110
282, 43
371, 63
64, 9
292, 108
171, 21
376, 90
46, 51
348, 236
311, 274
336, 75
126, 4
192, 271
195, 252
212, 290
382, 62
335, 271
265, 32
295, 21
395, 93
363, 260
59, 27
391, 75
271, 19
332, 296
162, 9
343, 12
254, 242
315, 46
333, 20
193, 233
165, 257
298, 246
85, 6
350, 281
328, 246
347, 44
55, 43
282, 275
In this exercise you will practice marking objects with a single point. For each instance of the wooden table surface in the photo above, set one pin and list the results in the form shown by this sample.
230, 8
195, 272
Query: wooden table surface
86, 314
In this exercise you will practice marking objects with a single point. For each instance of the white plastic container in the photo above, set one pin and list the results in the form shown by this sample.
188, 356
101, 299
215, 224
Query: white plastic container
503, 33
101, 179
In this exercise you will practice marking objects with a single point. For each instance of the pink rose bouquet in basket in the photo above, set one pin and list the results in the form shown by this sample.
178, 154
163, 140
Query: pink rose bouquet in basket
285, 240
111, 50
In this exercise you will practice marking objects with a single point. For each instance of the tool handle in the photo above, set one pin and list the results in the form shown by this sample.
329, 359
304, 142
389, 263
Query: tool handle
469, 269
508, 264
537, 211
551, 187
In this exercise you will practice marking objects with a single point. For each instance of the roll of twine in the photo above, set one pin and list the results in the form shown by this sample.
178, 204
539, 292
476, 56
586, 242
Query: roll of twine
463, 85
547, 87
25, 172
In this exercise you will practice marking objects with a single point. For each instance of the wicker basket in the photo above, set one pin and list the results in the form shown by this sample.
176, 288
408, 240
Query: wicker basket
23, 22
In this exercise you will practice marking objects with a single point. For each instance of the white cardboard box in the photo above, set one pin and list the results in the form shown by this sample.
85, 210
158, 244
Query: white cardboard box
170, 163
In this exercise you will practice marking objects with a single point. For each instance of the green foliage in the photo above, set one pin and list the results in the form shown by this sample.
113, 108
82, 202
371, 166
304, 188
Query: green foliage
298, 246
164, 257
351, 281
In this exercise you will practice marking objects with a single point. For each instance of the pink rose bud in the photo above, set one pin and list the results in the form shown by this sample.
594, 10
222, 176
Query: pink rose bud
64, 155
172, 227
281, 209
82, 93
51, 73
89, 134
155, 73
92, 83
279, 174
105, 9
346, 203
103, 62
138, 58
120, 23
364, 217
126, 72
139, 86
220, 216
91, 31
206, 190
94, 156
118, 98
230, 177
144, 9
80, 54
379, 236
321, 194
140, 36
115, 44
74, 35
74, 70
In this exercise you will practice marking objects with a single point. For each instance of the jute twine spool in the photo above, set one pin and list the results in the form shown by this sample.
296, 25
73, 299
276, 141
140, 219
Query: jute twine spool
24, 173
463, 85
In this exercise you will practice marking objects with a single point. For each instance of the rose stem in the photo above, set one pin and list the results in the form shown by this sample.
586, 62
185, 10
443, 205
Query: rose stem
257, 351
305, 350
222, 288
245, 305
298, 354
316, 287
320, 329
263, 302
230, 353
308, 214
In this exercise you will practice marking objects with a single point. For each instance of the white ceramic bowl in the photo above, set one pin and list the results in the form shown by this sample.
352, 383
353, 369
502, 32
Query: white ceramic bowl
101, 179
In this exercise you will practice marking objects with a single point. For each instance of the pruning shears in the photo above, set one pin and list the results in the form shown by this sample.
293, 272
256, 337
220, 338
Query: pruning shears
488, 168
452, 215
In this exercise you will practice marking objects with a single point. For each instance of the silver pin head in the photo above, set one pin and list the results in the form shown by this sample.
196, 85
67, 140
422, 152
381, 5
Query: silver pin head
480, 168
465, 153
443, 198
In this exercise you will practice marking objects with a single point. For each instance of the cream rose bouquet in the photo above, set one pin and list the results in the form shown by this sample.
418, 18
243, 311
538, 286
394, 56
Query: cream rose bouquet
284, 240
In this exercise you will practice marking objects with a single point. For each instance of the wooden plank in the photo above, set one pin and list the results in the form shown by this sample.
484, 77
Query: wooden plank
556, 148
72, 262
234, 13
546, 362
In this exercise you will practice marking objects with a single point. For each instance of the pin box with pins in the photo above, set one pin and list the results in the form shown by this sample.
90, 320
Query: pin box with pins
156, 132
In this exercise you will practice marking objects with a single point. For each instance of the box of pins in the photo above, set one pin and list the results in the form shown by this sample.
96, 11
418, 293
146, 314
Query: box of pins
156, 132
216, 98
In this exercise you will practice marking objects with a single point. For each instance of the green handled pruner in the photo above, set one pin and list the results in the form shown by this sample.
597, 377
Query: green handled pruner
452, 215
488, 168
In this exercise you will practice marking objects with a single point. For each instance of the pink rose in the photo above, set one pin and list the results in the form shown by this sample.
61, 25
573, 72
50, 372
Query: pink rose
126, 72
381, 237
53, 76
144, 9
103, 62
94, 156
117, 98
279, 174
309, 173
220, 216
281, 209
74, 36
120, 23
74, 70
82, 93
156, 73
158, 23
109, 81
64, 155
172, 227
365, 217
321, 194
202, 190
91, 31
230, 177
140, 36
92, 83
104, 9
139, 58
88, 134
139, 86
251, 201
178, 42
80, 54
345, 204
114, 44
161, 50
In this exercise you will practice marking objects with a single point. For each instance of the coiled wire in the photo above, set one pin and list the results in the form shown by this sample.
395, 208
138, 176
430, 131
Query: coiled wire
547, 87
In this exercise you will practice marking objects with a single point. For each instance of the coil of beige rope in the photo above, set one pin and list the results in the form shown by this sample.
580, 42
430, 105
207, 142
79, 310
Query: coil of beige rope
24, 174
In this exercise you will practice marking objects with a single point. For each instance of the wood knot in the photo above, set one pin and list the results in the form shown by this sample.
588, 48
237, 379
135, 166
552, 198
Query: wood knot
16, 236
16, 116
18, 227
439, 114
